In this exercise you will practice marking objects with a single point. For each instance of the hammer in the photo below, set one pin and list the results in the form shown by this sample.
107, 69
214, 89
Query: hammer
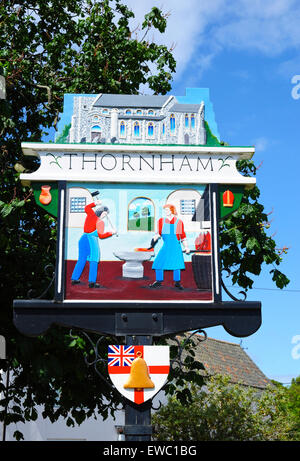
108, 218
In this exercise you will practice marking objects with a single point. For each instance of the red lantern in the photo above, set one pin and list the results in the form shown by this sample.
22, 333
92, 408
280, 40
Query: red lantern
228, 199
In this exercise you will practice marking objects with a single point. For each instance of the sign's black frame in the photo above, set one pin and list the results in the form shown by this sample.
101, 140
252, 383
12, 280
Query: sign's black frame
35, 316
213, 195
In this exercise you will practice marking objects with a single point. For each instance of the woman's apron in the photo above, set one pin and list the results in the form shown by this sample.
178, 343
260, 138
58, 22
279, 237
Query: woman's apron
170, 255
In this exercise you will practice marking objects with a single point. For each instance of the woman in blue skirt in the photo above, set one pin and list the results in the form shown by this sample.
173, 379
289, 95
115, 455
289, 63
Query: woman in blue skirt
170, 256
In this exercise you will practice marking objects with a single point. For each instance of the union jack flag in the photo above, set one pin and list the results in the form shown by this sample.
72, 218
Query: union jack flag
120, 356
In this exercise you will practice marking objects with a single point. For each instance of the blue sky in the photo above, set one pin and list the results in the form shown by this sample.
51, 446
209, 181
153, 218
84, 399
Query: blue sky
247, 53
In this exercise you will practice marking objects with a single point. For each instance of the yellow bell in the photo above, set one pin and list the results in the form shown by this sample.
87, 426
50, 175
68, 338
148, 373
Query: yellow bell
139, 377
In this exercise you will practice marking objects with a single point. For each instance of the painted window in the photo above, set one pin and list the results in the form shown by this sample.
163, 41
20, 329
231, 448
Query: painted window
150, 130
172, 123
186, 120
77, 204
139, 112
122, 129
105, 111
141, 214
136, 129
163, 129
128, 112
95, 132
150, 112
95, 117
187, 206
192, 121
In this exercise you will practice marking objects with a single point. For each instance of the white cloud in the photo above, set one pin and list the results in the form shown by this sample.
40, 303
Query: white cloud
186, 24
261, 144
284, 379
201, 30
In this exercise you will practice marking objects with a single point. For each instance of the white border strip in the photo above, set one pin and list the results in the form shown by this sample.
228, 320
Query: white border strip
60, 250
216, 244
242, 180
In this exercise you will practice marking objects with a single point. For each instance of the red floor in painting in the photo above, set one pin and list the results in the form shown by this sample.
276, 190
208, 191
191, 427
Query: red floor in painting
116, 287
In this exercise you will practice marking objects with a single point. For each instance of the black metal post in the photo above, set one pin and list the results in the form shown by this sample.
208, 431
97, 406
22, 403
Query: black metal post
138, 417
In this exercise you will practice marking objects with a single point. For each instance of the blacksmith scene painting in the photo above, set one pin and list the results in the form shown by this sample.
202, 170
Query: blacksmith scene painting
138, 242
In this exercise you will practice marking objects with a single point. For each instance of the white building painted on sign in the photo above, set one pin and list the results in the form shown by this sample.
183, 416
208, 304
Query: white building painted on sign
113, 118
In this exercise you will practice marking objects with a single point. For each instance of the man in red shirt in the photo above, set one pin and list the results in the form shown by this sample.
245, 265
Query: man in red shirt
88, 246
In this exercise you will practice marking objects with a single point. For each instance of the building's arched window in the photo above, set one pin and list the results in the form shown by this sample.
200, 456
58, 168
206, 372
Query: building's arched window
128, 112
95, 118
95, 133
105, 111
163, 129
186, 120
139, 112
136, 129
141, 214
150, 130
172, 123
192, 121
150, 112
122, 129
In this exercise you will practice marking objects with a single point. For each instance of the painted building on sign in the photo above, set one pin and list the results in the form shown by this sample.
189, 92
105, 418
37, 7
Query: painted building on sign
139, 183
107, 118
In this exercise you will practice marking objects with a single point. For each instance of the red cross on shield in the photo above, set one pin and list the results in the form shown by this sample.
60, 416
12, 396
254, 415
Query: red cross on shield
120, 359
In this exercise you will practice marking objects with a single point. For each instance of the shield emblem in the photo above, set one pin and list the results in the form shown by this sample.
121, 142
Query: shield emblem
138, 372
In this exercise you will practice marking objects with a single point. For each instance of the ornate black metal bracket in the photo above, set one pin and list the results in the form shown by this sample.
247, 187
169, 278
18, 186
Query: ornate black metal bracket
98, 359
228, 292
182, 346
51, 274
178, 362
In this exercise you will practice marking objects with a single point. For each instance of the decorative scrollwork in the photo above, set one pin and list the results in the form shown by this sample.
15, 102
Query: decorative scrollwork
181, 347
228, 292
51, 274
156, 408
97, 360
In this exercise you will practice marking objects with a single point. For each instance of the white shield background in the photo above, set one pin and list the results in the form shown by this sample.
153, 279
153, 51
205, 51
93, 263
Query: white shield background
155, 356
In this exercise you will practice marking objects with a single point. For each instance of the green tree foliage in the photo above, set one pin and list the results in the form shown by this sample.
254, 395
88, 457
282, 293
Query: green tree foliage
293, 403
293, 393
221, 411
245, 243
48, 48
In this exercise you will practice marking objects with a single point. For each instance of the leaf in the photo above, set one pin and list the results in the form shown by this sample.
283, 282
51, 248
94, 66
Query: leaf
70, 422
252, 244
279, 278
18, 435
6, 210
